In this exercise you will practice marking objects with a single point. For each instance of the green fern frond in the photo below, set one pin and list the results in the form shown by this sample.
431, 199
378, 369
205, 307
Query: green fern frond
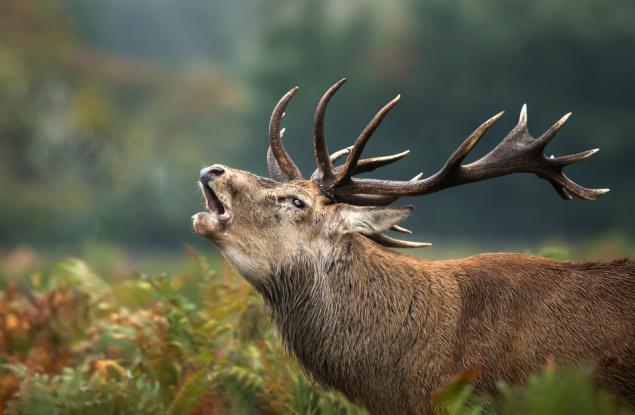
190, 393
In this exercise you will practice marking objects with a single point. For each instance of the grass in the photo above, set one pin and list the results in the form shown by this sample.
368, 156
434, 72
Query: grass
78, 341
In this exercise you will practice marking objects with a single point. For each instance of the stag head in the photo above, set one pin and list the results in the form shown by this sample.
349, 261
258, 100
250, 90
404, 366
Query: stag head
254, 219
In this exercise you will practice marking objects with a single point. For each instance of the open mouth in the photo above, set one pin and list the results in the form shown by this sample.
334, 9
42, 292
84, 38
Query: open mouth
214, 205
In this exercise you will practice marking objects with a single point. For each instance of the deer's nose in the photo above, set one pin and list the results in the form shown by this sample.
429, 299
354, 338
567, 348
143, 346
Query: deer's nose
212, 172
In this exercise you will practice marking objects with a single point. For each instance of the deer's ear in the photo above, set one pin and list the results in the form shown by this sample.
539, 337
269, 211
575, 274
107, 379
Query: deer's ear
371, 220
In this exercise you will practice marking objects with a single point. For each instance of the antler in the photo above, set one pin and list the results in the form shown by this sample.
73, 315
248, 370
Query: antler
363, 165
281, 166
517, 152
320, 149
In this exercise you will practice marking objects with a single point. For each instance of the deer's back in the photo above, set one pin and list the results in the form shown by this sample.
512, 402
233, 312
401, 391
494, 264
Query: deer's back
515, 313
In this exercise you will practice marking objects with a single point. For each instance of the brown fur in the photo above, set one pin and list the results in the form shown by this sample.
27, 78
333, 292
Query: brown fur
388, 329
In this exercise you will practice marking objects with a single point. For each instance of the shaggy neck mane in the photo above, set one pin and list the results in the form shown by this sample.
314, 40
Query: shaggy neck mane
371, 322
305, 301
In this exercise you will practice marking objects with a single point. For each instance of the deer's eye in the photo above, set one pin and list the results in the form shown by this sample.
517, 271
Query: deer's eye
298, 203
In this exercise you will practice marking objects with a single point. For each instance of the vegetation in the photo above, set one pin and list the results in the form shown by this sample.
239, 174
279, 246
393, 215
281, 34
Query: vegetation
74, 343
197, 342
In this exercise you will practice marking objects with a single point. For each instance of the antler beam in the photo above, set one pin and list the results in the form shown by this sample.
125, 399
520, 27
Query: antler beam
517, 152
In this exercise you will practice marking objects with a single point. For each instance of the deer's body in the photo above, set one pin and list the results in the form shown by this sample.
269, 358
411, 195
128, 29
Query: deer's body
388, 329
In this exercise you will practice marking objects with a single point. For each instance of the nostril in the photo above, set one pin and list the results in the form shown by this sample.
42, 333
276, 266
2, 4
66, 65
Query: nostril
216, 170
210, 173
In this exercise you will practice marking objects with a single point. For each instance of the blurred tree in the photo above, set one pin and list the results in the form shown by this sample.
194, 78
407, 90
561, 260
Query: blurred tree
97, 145
108, 109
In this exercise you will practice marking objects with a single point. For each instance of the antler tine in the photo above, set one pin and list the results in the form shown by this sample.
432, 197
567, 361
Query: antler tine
397, 243
417, 177
546, 137
339, 154
320, 148
401, 229
372, 163
517, 152
573, 158
568, 188
364, 165
464, 149
278, 160
522, 118
351, 161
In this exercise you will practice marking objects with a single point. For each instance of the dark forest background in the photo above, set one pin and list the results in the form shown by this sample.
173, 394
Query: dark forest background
108, 109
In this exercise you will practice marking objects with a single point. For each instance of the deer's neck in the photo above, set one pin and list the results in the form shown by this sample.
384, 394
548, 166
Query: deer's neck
339, 313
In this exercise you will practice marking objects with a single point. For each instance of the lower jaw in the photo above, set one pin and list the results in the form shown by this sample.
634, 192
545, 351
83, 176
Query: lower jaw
210, 224
205, 224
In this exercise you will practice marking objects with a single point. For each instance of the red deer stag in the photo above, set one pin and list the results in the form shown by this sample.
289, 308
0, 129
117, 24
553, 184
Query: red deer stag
388, 329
